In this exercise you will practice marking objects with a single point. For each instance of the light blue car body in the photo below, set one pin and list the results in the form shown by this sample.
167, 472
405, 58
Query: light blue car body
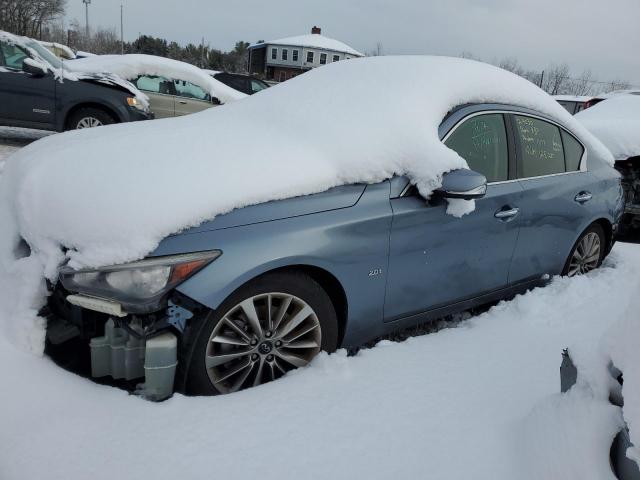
389, 260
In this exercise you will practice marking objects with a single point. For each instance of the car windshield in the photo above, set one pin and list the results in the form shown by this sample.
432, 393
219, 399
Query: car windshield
49, 57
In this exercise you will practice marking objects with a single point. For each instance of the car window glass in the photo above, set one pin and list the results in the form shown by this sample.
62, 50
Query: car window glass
569, 106
13, 56
573, 151
482, 142
190, 90
155, 84
256, 86
540, 146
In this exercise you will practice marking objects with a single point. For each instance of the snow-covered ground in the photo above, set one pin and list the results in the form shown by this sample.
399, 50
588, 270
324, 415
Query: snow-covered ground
476, 401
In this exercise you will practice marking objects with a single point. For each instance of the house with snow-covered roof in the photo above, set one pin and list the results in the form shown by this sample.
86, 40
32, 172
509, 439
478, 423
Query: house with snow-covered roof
285, 58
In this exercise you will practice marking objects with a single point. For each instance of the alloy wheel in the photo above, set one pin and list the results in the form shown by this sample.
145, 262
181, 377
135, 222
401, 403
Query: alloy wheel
89, 122
260, 339
586, 255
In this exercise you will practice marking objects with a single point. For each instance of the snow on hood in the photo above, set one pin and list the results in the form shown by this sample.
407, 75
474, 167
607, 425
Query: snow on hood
132, 66
616, 122
111, 194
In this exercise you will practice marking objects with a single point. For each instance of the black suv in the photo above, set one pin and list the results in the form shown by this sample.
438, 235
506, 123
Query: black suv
37, 92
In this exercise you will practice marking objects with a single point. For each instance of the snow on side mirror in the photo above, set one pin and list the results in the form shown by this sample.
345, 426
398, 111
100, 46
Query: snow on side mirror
464, 184
33, 67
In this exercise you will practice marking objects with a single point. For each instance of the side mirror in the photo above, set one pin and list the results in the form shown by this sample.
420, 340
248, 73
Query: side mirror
33, 67
464, 184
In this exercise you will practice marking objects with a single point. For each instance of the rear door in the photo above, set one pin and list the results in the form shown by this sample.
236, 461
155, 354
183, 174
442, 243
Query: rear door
556, 194
190, 98
437, 259
24, 98
161, 93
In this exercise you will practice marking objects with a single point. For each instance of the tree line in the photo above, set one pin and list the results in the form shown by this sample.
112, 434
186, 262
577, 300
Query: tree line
44, 20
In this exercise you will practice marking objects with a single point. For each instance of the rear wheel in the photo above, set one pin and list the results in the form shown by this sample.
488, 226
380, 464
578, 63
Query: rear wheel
587, 253
89, 118
270, 326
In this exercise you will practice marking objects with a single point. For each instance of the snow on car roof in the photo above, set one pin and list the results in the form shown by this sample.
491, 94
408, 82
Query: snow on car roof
134, 65
111, 194
314, 40
616, 123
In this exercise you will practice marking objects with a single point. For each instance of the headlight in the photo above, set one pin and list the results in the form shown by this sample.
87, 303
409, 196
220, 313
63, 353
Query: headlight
135, 103
139, 282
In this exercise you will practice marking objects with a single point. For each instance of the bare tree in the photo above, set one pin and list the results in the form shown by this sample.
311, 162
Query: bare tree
617, 84
582, 85
556, 79
29, 17
377, 51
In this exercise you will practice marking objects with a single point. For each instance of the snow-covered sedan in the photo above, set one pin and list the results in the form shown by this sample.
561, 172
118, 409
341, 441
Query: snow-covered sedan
340, 215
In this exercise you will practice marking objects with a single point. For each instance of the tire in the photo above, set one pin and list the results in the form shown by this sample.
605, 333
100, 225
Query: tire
89, 117
591, 239
298, 331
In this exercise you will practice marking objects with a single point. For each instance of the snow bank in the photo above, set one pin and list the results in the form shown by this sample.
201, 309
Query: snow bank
616, 122
111, 194
479, 401
132, 66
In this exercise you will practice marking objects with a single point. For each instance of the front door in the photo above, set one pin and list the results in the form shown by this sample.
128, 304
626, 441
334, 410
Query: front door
437, 259
190, 98
25, 98
161, 93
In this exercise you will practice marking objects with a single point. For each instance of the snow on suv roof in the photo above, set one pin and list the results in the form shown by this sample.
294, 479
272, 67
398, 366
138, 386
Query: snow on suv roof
314, 40
111, 194
572, 98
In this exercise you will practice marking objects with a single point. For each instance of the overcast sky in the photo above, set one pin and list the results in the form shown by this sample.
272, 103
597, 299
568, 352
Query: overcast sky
601, 35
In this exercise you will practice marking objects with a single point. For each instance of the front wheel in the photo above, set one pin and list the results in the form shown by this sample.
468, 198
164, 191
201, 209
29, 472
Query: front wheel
89, 118
587, 253
270, 326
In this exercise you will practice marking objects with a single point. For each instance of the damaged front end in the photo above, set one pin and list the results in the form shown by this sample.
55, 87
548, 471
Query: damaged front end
630, 171
125, 320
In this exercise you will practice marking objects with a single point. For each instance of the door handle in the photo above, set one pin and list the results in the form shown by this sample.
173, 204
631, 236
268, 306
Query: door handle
507, 214
182, 102
583, 197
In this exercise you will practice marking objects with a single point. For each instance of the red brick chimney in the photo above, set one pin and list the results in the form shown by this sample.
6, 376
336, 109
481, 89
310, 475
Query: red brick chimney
316, 30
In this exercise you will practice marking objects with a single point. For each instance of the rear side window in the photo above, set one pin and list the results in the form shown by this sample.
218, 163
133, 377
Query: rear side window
572, 152
482, 142
540, 147
190, 90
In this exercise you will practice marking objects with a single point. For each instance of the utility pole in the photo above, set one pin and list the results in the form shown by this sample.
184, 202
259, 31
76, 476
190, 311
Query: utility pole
541, 78
121, 29
86, 6
202, 55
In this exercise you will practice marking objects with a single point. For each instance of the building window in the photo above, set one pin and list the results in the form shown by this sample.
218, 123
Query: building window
274, 54
294, 55
310, 56
285, 54
336, 58
323, 59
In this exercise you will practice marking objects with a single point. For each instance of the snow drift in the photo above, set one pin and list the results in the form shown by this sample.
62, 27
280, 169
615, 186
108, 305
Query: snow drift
616, 122
132, 66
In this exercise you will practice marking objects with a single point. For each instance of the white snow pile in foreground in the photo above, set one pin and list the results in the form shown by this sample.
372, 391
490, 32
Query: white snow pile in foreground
133, 66
110, 195
616, 122
480, 401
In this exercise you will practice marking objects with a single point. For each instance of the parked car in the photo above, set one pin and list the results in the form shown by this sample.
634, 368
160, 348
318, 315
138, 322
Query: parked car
243, 83
37, 92
174, 88
615, 120
574, 103
263, 289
